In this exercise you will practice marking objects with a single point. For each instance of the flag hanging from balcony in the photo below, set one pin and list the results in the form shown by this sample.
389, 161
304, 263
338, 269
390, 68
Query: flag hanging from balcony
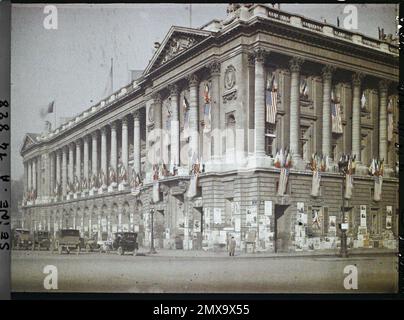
192, 186
156, 191
390, 127
271, 98
363, 101
168, 121
348, 186
185, 106
283, 181
315, 185
304, 91
378, 187
207, 112
336, 115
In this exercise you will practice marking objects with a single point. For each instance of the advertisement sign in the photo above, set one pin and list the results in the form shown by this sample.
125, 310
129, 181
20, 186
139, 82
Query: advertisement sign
363, 216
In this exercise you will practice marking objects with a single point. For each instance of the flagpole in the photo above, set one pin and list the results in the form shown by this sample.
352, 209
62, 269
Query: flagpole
54, 107
112, 74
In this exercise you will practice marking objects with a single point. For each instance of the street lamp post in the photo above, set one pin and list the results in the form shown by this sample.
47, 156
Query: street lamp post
343, 168
152, 249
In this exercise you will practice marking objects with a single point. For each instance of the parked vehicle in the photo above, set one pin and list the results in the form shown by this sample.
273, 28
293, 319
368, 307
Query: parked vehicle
21, 239
67, 239
90, 243
41, 239
124, 242
104, 244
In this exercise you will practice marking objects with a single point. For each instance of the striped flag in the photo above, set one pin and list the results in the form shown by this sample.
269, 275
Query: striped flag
315, 185
363, 101
271, 98
303, 87
378, 188
336, 117
185, 106
207, 110
192, 186
348, 186
390, 127
283, 181
156, 192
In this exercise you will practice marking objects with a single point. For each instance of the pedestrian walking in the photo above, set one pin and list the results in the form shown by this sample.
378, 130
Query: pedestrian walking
232, 246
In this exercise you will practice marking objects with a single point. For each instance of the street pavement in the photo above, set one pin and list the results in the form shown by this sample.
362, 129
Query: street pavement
177, 271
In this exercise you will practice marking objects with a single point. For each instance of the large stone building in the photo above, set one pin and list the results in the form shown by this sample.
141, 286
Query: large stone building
233, 97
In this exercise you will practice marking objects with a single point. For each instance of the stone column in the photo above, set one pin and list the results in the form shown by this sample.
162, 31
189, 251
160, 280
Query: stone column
104, 151
193, 115
58, 167
215, 111
64, 171
158, 126
71, 164
295, 145
94, 156
52, 173
85, 158
34, 167
125, 158
356, 116
383, 87
259, 102
136, 142
25, 177
114, 145
175, 126
78, 159
29, 177
326, 132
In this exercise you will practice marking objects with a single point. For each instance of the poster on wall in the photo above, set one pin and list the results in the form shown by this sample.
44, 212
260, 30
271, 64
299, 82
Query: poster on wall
197, 226
251, 216
363, 216
316, 219
389, 217
268, 208
217, 215
236, 208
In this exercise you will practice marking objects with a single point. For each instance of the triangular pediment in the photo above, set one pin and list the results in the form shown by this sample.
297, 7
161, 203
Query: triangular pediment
177, 41
29, 140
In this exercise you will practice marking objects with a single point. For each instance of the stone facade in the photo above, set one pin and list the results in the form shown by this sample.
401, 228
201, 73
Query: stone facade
202, 101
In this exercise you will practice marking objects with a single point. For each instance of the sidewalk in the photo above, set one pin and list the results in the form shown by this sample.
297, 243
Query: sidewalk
223, 254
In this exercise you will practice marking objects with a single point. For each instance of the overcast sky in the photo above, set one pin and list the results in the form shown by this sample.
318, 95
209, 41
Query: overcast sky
71, 64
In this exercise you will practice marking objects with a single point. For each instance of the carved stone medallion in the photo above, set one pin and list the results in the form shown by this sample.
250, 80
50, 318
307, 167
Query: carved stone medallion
229, 77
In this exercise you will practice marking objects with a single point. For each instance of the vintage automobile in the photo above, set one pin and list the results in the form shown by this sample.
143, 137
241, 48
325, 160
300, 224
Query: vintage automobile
21, 239
104, 244
67, 239
90, 243
41, 239
124, 242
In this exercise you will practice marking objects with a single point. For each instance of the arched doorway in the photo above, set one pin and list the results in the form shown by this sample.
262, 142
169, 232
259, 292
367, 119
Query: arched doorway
126, 223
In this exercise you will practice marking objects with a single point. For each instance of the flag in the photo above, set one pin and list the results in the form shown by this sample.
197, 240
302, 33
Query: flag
303, 87
207, 110
378, 188
336, 117
390, 127
315, 185
363, 101
192, 186
49, 109
348, 186
185, 107
156, 191
168, 121
109, 86
271, 99
390, 106
283, 181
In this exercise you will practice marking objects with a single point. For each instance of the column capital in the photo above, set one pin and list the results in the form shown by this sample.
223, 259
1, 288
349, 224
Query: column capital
72, 145
357, 78
173, 88
193, 80
113, 124
136, 115
384, 85
103, 130
86, 138
259, 54
157, 98
295, 64
327, 71
78, 142
251, 60
94, 134
124, 121
214, 68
